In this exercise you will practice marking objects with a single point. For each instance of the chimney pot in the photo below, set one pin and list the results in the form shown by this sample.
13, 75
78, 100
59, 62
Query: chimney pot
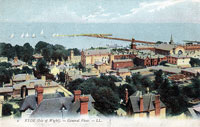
126, 95
39, 91
84, 105
157, 105
141, 104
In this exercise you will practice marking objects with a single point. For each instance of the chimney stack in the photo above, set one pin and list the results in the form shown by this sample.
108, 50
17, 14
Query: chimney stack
84, 105
15, 59
126, 95
43, 77
1, 104
157, 105
141, 105
77, 94
39, 92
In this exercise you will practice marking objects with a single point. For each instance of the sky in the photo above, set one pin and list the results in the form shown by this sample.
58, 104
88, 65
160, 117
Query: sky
100, 11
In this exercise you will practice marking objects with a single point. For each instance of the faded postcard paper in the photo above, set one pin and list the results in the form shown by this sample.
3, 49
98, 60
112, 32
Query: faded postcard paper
99, 63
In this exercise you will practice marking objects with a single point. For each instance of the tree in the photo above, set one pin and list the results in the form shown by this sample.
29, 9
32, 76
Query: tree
7, 109
61, 77
159, 78
103, 90
194, 62
5, 64
106, 101
27, 53
41, 66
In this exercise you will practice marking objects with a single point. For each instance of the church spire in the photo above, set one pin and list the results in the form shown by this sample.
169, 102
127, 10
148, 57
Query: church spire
171, 40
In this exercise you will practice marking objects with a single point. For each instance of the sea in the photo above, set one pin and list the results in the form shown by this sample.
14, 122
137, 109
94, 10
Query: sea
140, 31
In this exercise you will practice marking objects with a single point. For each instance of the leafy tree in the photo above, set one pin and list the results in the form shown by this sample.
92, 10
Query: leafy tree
5, 64
194, 62
61, 77
173, 99
26, 70
7, 109
27, 52
159, 78
106, 101
41, 66
103, 90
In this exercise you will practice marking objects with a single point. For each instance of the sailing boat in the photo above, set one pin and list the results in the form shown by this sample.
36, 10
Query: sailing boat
12, 36
22, 36
53, 35
33, 36
42, 32
27, 35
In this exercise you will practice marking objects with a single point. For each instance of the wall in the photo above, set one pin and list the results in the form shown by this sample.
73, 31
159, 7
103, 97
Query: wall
124, 64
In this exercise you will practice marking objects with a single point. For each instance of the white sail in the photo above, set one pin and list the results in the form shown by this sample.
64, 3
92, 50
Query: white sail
42, 32
22, 36
12, 36
33, 36
53, 35
27, 35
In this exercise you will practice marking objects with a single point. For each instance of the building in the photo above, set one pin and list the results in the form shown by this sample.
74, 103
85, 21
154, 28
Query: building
3, 59
166, 69
149, 59
102, 67
21, 78
73, 59
16, 63
194, 111
96, 55
179, 60
54, 70
145, 105
123, 72
56, 105
22, 89
190, 72
122, 63
1, 105
164, 49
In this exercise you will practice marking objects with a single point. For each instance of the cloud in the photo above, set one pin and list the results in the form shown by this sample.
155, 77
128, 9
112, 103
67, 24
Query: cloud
154, 11
96, 16
174, 11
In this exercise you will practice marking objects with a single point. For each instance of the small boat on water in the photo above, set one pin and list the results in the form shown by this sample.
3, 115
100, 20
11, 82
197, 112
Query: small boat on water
33, 36
42, 32
54, 35
12, 36
22, 36
27, 35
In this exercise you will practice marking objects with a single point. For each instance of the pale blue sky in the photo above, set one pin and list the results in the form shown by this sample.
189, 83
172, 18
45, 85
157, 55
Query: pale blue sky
100, 11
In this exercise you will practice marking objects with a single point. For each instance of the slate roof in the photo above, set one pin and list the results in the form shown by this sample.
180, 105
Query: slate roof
98, 63
22, 77
122, 60
6, 89
35, 81
123, 70
166, 69
97, 52
31, 102
52, 105
148, 102
18, 63
195, 111
167, 47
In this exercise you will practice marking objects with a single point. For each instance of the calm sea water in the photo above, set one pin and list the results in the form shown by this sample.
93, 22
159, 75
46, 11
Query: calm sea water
147, 32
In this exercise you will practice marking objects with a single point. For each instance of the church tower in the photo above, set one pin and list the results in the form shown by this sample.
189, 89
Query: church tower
171, 40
